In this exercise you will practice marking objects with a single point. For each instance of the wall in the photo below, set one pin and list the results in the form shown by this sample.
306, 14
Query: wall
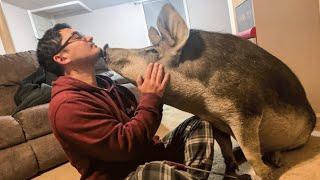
124, 25
20, 27
119, 26
290, 30
152, 10
209, 15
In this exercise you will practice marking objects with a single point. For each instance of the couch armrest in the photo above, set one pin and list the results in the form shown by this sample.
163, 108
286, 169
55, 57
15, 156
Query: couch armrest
34, 121
15, 67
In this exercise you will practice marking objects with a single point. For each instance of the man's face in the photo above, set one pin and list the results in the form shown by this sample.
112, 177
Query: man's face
77, 50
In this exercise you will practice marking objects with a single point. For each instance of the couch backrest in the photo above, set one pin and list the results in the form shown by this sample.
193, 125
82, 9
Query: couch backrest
14, 68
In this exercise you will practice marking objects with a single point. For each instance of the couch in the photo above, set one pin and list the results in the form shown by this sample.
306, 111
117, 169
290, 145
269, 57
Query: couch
27, 145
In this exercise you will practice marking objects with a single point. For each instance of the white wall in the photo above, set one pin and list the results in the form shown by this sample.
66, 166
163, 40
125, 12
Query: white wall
120, 26
124, 25
209, 15
152, 10
20, 27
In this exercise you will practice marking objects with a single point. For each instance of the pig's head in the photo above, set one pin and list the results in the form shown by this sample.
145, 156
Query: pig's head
166, 46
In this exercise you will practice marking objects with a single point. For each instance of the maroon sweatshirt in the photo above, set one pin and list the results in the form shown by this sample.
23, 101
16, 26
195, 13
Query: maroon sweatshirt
103, 131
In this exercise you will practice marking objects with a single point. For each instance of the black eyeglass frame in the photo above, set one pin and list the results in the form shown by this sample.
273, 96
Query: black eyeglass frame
65, 44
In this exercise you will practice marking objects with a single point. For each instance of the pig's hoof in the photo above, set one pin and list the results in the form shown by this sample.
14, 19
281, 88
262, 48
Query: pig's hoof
273, 158
239, 177
244, 177
239, 156
265, 173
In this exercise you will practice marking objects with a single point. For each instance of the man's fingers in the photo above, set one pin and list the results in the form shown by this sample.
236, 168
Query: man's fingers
154, 71
160, 74
149, 71
139, 80
155, 80
165, 81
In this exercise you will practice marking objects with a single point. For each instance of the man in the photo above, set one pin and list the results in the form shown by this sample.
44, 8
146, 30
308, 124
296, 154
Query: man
105, 133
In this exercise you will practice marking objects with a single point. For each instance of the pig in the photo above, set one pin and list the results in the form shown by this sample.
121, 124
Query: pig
240, 88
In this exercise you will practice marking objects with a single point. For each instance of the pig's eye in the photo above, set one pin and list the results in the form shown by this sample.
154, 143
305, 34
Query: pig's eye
151, 50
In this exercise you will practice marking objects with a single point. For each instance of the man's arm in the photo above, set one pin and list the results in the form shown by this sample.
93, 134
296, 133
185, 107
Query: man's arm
94, 130
100, 133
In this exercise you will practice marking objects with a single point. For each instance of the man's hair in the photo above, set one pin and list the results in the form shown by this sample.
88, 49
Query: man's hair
48, 46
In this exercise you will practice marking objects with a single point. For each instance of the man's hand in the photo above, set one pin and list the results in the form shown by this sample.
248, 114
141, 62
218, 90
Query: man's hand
155, 80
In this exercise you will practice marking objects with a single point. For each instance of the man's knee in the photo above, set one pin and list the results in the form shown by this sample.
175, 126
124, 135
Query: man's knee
204, 127
205, 124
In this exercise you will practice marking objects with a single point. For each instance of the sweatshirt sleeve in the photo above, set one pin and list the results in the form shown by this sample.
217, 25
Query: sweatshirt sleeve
93, 129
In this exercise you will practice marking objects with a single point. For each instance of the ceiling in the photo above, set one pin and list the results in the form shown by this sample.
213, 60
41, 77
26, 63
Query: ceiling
92, 4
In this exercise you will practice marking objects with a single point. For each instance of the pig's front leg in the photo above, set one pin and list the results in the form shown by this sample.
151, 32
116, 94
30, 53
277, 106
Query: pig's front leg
224, 141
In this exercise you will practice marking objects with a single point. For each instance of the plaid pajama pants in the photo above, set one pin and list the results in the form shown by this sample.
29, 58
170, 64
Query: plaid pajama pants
191, 143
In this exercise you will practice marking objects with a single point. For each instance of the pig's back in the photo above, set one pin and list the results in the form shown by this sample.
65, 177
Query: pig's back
241, 71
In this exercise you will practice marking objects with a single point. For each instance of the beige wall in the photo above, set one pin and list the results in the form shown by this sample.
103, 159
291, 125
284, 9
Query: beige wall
290, 30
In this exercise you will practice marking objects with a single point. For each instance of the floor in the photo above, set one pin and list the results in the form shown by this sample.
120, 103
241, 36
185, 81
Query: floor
303, 163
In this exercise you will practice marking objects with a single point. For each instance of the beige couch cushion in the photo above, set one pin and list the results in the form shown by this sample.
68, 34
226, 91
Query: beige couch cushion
7, 104
18, 162
48, 151
15, 67
34, 121
10, 132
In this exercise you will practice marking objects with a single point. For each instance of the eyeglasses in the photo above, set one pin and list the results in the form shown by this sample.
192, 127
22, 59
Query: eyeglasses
75, 36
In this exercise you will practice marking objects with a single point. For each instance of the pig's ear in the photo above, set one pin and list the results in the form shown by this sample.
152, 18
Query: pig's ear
172, 27
154, 36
